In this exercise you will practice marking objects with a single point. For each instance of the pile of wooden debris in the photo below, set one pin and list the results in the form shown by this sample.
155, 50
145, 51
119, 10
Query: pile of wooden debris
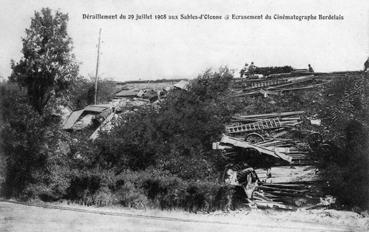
277, 84
278, 135
278, 149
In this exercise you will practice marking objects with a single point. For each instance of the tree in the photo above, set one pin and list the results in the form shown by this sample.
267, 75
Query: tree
35, 147
47, 67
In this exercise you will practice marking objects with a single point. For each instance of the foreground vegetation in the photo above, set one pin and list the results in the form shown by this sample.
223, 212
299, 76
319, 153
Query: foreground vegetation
160, 155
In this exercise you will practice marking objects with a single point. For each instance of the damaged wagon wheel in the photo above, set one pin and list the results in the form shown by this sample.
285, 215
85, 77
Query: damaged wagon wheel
254, 138
314, 140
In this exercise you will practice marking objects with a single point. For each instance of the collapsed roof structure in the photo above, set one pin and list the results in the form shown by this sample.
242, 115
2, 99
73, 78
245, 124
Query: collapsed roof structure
80, 119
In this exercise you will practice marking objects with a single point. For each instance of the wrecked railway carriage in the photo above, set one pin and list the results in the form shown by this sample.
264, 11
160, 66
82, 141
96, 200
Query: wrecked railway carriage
128, 98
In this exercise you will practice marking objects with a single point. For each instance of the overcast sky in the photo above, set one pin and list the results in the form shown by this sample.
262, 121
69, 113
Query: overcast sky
155, 49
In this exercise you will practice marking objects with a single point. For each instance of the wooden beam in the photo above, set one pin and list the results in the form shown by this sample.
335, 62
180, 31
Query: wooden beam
270, 115
243, 144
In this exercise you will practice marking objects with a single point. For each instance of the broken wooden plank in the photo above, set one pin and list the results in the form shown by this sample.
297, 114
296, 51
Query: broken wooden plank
299, 175
243, 144
272, 205
270, 115
276, 87
269, 143
72, 119
300, 88
301, 79
279, 75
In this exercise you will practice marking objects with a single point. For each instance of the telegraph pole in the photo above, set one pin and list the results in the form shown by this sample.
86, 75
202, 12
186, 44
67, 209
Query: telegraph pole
97, 65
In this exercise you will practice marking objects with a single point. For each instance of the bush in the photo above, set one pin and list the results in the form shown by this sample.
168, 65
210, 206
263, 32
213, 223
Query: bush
176, 136
130, 196
163, 190
346, 165
148, 189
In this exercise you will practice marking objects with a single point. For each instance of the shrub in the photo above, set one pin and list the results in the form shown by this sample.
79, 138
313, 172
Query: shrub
150, 188
104, 197
131, 196
177, 136
166, 191
87, 183
346, 165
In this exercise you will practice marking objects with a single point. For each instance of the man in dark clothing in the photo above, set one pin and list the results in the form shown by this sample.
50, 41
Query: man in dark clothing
311, 68
243, 175
252, 69
244, 70
248, 180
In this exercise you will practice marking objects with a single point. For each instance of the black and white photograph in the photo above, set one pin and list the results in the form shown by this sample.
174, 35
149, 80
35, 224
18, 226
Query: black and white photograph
184, 115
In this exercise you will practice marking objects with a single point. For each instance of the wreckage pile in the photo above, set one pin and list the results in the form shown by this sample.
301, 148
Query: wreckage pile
127, 99
278, 148
288, 187
277, 84
273, 135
